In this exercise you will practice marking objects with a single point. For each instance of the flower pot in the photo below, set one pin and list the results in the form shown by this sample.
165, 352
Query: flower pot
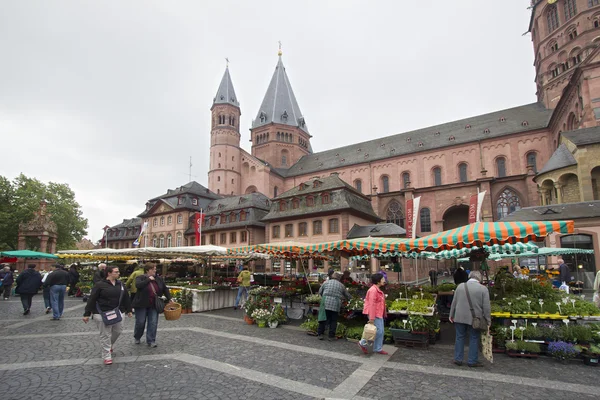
273, 324
262, 324
248, 320
184, 311
189, 310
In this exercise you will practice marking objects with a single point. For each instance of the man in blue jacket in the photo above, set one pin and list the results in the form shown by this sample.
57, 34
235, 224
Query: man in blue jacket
7, 279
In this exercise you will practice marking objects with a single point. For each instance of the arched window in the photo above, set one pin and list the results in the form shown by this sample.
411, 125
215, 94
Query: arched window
169, 220
358, 185
178, 242
437, 176
275, 191
155, 222
462, 172
570, 9
153, 241
169, 240
552, 18
405, 180
325, 198
425, 217
162, 221
572, 122
385, 183
394, 214
161, 241
179, 219
507, 203
532, 160
501, 167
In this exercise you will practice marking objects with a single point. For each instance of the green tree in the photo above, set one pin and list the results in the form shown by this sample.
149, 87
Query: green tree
20, 199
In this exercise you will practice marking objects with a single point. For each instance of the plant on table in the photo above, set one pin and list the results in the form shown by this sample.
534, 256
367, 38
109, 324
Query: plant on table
354, 332
418, 323
562, 350
313, 299
523, 347
186, 299
311, 324
356, 304
278, 314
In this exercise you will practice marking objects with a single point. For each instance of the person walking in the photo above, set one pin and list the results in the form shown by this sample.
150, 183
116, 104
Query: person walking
332, 293
130, 283
6, 277
57, 282
107, 295
28, 284
375, 309
470, 298
563, 270
149, 287
244, 281
73, 280
46, 290
100, 274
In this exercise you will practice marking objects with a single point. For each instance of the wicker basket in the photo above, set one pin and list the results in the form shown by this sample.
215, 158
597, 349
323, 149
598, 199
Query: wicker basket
172, 311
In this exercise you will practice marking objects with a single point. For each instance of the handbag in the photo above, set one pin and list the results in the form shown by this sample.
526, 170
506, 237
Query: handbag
369, 332
113, 316
479, 323
159, 303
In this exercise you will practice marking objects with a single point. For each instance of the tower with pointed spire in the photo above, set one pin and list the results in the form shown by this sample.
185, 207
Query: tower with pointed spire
224, 172
279, 134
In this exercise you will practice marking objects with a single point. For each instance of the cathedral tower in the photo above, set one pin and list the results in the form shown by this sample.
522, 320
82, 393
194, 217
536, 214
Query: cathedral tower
564, 34
279, 134
224, 172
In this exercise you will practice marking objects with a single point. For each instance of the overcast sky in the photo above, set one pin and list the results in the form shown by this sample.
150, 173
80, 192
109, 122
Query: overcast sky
113, 97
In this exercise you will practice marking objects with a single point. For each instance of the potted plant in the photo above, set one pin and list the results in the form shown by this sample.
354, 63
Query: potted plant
261, 316
186, 298
311, 325
562, 351
591, 356
277, 316
521, 348
249, 307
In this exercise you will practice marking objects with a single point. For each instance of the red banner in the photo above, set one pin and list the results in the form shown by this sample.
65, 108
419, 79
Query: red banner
198, 221
409, 218
473, 208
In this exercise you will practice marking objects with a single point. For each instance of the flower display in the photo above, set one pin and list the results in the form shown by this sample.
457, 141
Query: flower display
261, 315
562, 350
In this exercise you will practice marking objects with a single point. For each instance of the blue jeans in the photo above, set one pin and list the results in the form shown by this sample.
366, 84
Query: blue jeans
459, 345
57, 299
378, 343
141, 316
244, 290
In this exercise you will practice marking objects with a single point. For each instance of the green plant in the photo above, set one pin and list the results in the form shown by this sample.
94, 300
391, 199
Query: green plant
581, 333
354, 332
387, 335
446, 287
356, 304
313, 298
531, 332
340, 330
500, 333
522, 346
398, 324
311, 324
278, 314
595, 350
562, 350
186, 298
418, 323
260, 315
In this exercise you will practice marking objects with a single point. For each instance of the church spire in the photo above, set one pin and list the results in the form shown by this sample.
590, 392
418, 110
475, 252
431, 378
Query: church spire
279, 105
226, 93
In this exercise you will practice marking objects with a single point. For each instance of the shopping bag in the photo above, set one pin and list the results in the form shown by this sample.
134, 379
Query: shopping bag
597, 299
322, 314
486, 346
369, 332
564, 287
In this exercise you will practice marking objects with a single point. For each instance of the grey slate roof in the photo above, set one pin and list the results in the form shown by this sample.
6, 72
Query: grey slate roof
187, 192
561, 158
499, 123
256, 206
343, 197
226, 94
584, 209
280, 101
378, 230
582, 137
128, 229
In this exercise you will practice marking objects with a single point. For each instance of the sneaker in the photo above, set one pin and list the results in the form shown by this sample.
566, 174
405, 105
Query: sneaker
48, 310
383, 353
107, 362
363, 348
26, 312
476, 365
332, 339
235, 308
152, 345
137, 341
459, 363
321, 337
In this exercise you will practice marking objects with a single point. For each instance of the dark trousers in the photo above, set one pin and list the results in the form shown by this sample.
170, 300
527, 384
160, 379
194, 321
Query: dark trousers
6, 289
26, 301
332, 317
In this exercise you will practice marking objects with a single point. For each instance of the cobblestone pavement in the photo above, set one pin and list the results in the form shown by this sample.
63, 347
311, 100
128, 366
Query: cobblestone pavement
217, 356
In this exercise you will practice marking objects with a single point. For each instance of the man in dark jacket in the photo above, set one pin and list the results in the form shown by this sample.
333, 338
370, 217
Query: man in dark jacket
73, 280
28, 284
460, 276
6, 277
563, 269
57, 281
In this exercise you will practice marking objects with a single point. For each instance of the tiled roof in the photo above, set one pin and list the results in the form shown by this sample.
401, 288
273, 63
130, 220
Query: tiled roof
561, 158
279, 104
496, 124
257, 200
226, 94
566, 211
342, 197
581, 137
128, 229
187, 193
377, 230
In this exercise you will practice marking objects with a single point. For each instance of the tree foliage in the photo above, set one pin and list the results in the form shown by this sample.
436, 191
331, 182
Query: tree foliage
20, 199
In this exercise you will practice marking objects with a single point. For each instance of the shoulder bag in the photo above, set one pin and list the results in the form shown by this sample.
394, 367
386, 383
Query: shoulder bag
113, 316
159, 303
479, 323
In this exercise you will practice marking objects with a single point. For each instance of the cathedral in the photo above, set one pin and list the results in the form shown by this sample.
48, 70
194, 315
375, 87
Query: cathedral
535, 155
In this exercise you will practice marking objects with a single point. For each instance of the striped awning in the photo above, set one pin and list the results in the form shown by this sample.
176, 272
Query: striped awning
489, 233
361, 246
